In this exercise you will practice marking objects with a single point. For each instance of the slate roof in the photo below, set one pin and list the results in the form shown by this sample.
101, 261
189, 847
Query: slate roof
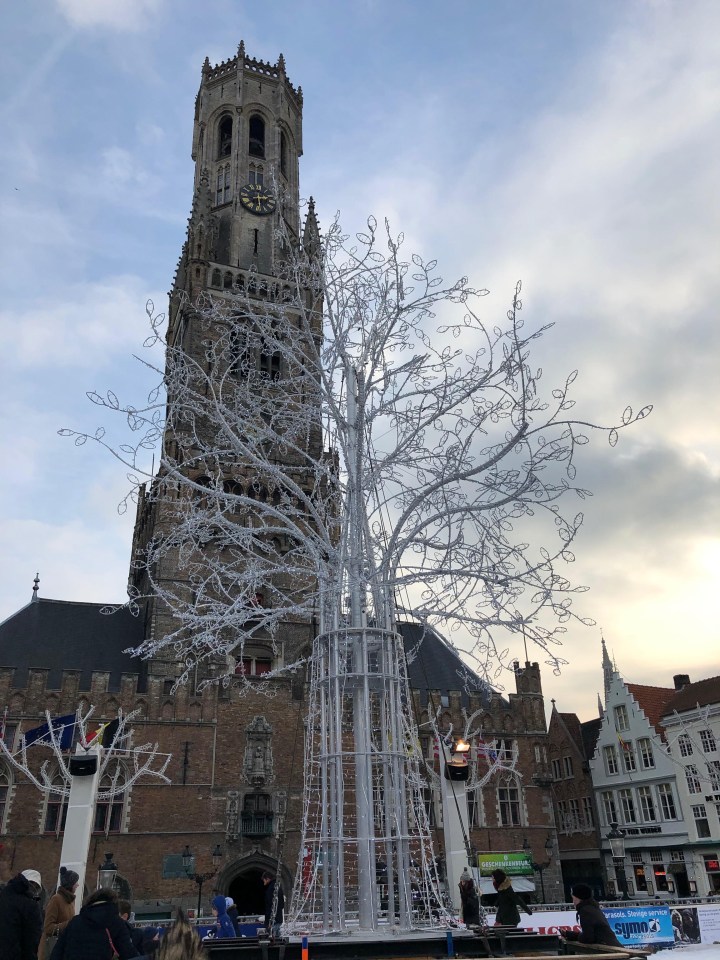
590, 731
694, 695
652, 701
436, 666
58, 635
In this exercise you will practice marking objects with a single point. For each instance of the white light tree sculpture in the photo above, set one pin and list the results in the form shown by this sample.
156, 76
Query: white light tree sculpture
346, 444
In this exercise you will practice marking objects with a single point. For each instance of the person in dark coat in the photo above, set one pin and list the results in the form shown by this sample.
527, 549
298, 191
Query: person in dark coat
469, 901
232, 912
273, 928
224, 929
21, 918
96, 933
594, 926
508, 903
145, 939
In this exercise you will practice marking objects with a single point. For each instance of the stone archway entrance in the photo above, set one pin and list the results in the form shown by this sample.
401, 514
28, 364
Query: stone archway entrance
241, 880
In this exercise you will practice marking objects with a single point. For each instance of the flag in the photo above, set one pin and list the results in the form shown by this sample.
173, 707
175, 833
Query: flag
626, 746
105, 733
64, 728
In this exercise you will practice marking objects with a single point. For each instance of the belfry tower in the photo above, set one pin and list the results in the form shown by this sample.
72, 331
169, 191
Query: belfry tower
243, 227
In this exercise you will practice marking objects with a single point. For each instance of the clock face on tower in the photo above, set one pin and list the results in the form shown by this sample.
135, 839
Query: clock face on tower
258, 200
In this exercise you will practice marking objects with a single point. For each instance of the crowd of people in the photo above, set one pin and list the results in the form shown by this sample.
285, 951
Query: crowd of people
102, 929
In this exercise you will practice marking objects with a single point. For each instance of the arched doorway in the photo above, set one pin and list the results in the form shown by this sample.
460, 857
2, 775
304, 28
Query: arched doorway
248, 892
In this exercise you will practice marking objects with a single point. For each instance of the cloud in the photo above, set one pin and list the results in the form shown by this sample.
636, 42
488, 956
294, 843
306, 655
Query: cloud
124, 15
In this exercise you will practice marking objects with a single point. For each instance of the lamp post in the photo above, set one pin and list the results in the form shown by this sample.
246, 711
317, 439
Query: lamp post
616, 839
540, 867
106, 873
200, 878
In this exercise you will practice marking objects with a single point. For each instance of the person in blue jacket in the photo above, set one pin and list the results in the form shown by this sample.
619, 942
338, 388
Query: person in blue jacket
224, 927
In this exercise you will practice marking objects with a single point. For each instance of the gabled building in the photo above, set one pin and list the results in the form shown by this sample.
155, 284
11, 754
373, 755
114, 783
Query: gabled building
691, 725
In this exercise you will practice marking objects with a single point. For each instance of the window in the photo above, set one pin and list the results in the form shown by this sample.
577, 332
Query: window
635, 856
225, 137
707, 739
256, 174
283, 154
667, 802
693, 778
621, 718
628, 755
110, 804
222, 186
563, 816
474, 809
685, 744
714, 771
609, 808
505, 749
256, 147
575, 813
56, 808
509, 805
253, 666
645, 751
588, 815
647, 804
256, 819
627, 805
701, 821
8, 735
611, 760
270, 364
656, 856
556, 770
568, 765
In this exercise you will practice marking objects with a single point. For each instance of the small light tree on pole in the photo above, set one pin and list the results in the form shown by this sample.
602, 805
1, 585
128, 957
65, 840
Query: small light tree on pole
355, 445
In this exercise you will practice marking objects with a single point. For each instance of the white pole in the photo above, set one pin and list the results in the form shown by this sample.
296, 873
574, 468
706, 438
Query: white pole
80, 819
455, 823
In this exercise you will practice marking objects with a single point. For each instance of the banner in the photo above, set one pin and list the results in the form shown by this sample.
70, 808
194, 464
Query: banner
641, 926
514, 864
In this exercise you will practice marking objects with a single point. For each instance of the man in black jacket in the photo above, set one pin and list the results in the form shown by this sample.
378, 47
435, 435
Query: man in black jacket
20, 917
594, 927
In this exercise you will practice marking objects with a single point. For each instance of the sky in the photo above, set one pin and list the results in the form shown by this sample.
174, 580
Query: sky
571, 145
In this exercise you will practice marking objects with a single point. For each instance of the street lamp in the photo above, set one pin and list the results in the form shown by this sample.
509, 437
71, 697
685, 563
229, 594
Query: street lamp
616, 839
199, 878
540, 867
106, 873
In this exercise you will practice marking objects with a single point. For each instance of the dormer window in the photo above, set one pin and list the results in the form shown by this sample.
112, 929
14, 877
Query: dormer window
256, 147
225, 137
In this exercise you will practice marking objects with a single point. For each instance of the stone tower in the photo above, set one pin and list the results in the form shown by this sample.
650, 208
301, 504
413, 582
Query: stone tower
243, 226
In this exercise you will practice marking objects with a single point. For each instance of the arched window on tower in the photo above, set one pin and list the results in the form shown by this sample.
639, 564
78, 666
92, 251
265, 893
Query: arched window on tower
222, 187
283, 154
56, 808
256, 146
225, 137
256, 174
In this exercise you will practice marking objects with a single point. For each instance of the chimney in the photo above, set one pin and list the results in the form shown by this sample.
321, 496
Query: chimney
681, 680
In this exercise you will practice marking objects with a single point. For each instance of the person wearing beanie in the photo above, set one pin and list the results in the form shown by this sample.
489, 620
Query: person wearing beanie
59, 911
21, 916
224, 928
232, 912
594, 926
508, 903
469, 901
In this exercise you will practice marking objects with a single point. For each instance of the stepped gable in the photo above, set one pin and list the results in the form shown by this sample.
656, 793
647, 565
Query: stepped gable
60, 635
436, 666
694, 695
652, 701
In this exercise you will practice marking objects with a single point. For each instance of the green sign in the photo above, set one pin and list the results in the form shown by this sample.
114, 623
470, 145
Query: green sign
514, 864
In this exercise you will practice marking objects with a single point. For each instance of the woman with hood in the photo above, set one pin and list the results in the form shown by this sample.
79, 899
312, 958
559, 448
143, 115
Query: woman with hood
59, 911
96, 933
225, 928
20, 916
508, 903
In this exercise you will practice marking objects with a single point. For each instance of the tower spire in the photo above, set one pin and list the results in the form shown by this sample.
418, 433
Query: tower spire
36, 587
608, 668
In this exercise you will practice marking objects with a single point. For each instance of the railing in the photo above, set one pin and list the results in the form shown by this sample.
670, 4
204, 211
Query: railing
256, 824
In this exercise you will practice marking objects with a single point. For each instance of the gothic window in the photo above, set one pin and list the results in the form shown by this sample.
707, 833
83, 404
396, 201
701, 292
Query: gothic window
256, 174
227, 281
509, 805
5, 784
283, 154
270, 365
55, 808
222, 185
256, 146
225, 128
109, 808
216, 279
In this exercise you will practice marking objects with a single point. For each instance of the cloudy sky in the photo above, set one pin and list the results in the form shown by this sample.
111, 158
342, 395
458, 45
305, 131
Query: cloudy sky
573, 145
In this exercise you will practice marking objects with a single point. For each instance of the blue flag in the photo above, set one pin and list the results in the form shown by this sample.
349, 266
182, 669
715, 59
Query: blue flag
64, 728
